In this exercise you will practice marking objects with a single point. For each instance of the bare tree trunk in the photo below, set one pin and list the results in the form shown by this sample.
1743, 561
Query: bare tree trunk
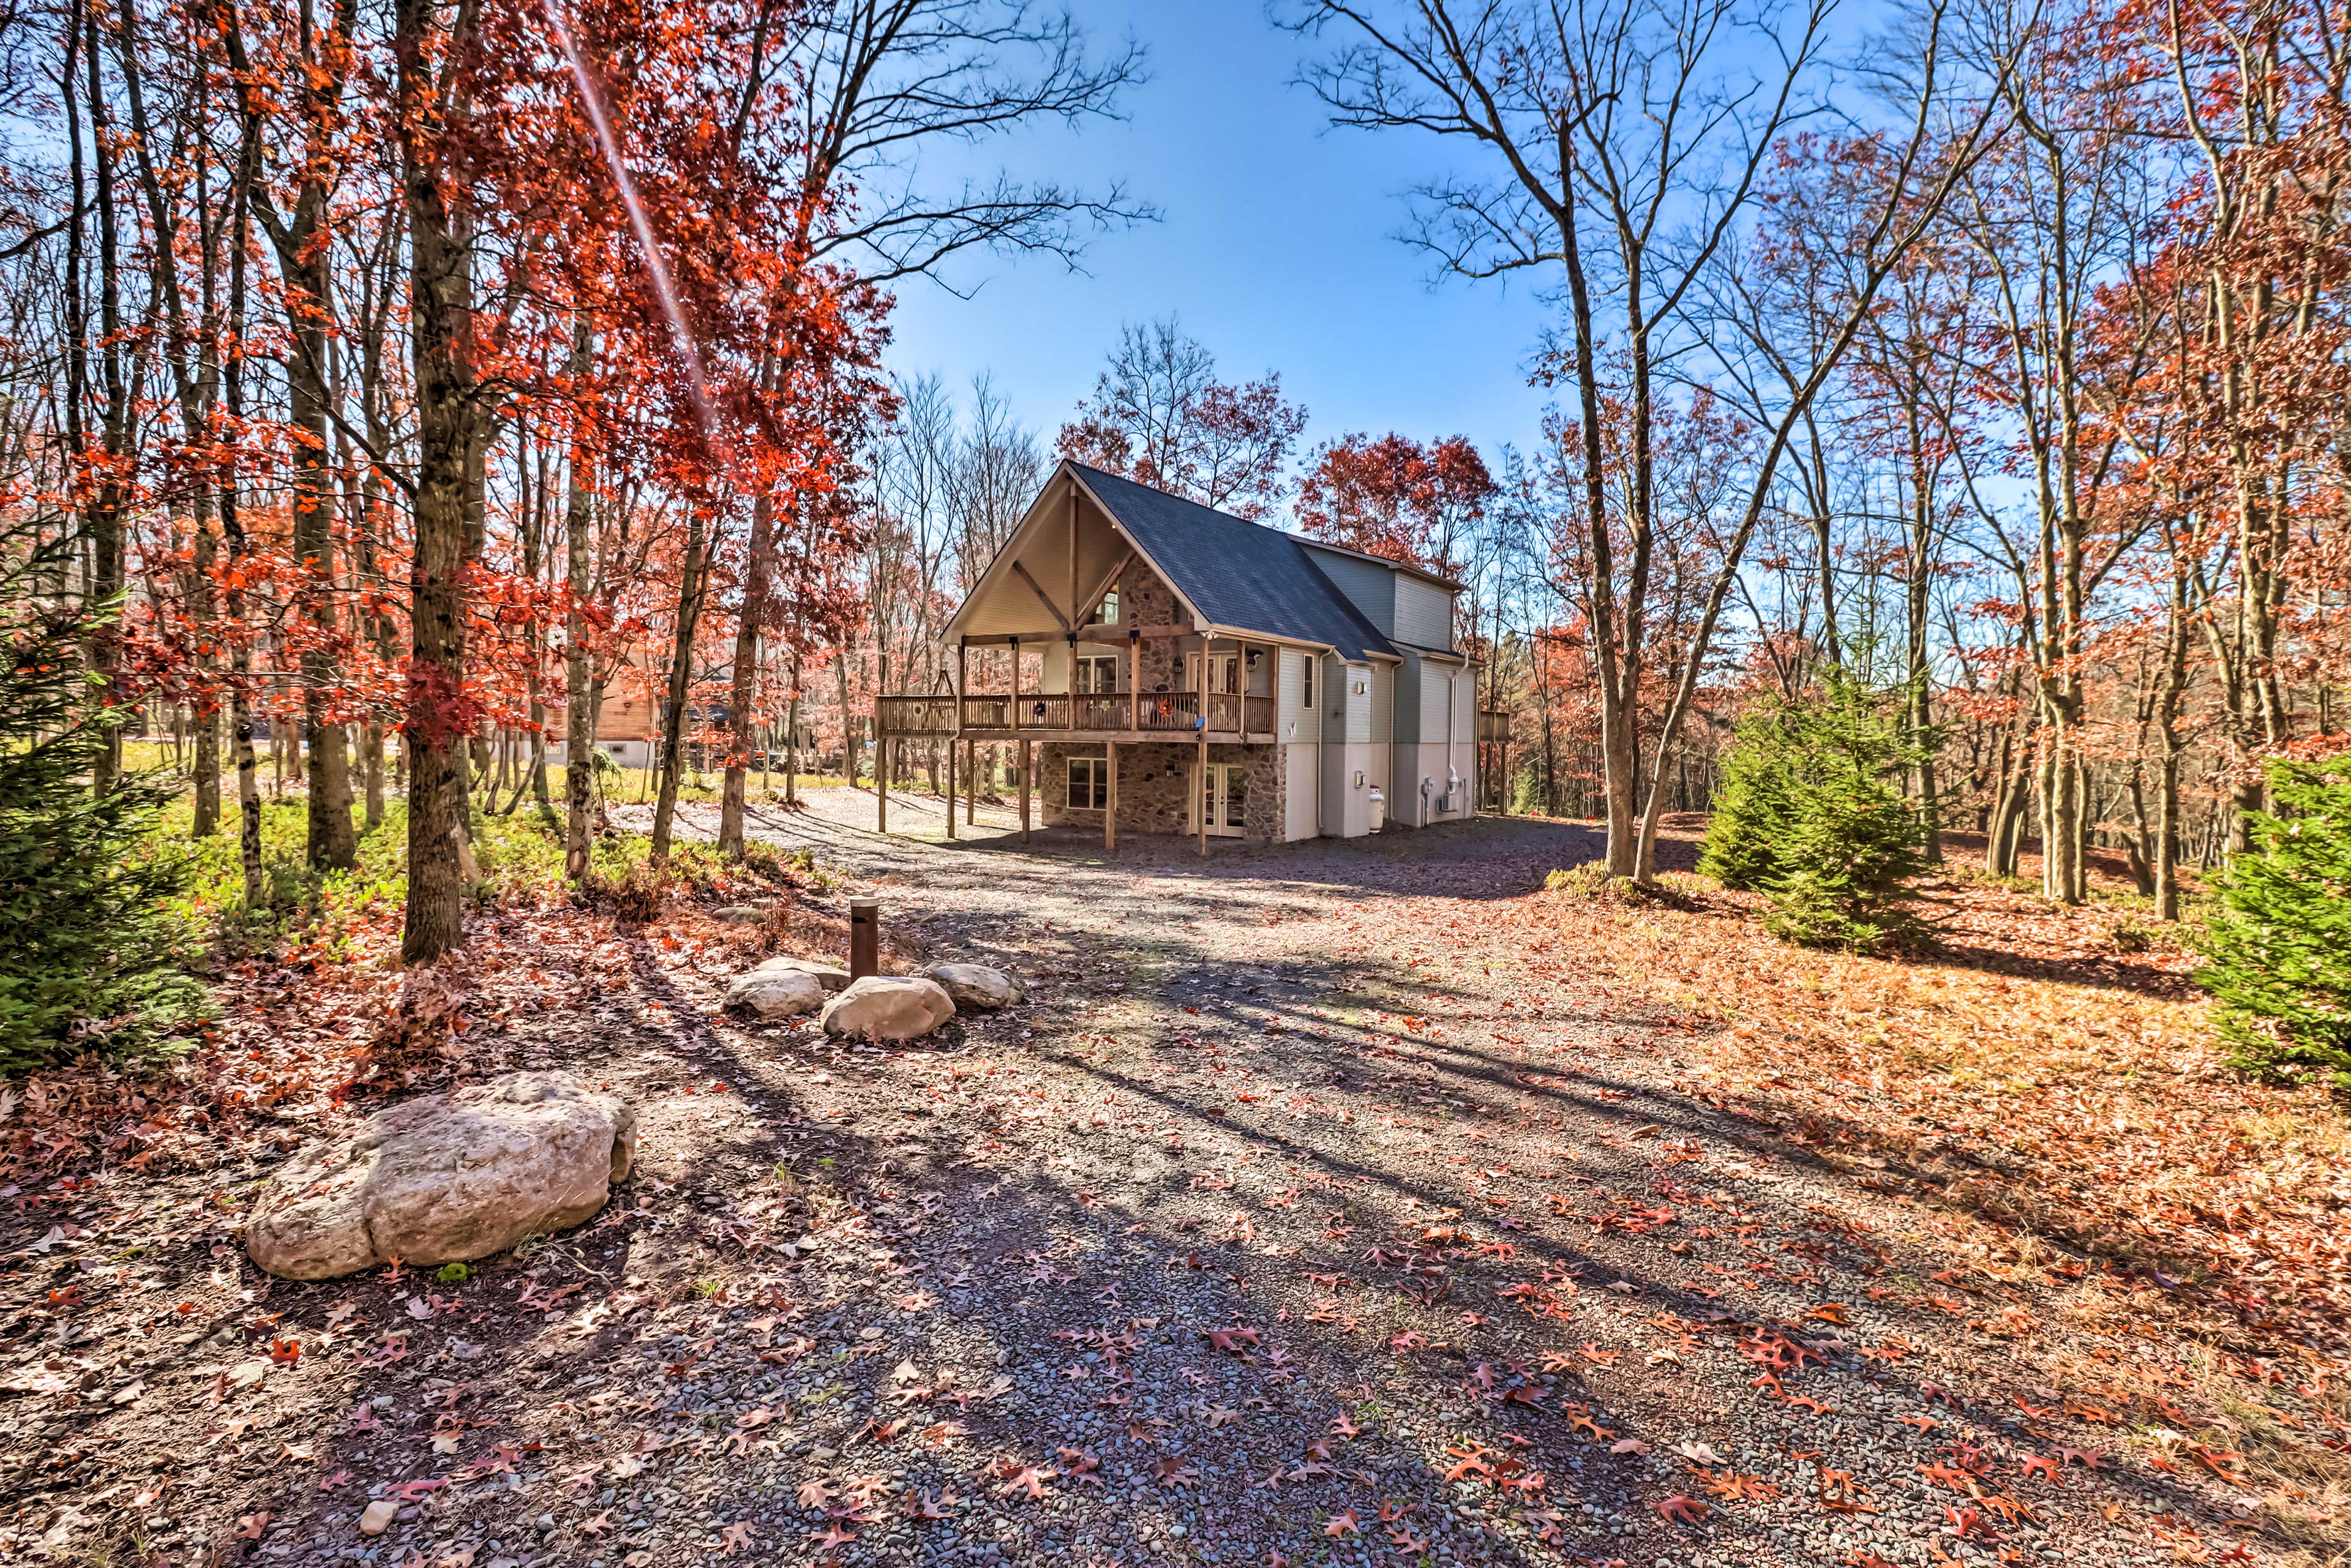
439, 717
578, 769
743, 691
848, 721
792, 736
681, 676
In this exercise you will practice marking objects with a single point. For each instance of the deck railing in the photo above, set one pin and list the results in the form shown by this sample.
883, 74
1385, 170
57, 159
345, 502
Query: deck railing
1115, 712
1101, 710
988, 711
914, 716
1177, 711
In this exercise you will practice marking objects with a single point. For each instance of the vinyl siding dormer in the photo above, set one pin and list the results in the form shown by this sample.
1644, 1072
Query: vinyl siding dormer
1423, 614
1367, 585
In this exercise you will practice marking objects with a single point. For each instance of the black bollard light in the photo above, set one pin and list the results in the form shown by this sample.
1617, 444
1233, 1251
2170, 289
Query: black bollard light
864, 938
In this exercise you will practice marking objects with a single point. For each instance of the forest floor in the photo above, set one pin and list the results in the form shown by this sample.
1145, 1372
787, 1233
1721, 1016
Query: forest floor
1346, 1202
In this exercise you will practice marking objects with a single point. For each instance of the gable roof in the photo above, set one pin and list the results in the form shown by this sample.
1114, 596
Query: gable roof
1238, 574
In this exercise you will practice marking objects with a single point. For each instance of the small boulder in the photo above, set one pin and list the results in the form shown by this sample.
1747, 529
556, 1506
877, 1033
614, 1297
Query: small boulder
887, 1007
446, 1178
743, 914
775, 993
833, 977
976, 985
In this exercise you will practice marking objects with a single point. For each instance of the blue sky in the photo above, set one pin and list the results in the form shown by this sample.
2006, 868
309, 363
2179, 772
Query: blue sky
1275, 247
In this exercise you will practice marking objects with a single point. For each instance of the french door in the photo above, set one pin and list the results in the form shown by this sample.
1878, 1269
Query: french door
1224, 672
1223, 798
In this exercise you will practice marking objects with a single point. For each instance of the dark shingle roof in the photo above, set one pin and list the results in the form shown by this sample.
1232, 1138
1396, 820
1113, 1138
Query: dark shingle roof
1236, 573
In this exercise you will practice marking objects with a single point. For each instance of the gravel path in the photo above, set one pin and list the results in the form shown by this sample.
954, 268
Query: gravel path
1314, 1208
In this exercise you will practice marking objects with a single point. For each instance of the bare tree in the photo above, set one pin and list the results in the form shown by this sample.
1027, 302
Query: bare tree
1625, 142
1622, 141
1159, 415
878, 85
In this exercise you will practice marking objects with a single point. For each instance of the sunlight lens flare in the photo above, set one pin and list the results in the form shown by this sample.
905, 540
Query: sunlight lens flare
592, 101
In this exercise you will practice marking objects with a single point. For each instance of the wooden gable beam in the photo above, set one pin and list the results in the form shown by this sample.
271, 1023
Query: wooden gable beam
1042, 597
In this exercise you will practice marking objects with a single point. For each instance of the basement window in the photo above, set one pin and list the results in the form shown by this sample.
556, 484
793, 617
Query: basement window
1088, 783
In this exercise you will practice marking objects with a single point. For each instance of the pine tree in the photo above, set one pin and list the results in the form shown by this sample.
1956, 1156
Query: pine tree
1813, 813
89, 953
2278, 950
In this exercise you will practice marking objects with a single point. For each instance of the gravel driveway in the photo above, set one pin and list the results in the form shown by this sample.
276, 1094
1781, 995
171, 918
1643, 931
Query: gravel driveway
1315, 1207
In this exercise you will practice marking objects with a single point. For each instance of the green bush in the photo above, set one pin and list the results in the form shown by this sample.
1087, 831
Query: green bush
90, 952
2278, 946
1812, 812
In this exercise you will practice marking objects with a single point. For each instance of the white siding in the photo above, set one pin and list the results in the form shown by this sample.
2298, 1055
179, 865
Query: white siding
1358, 695
1300, 789
1308, 721
1331, 816
1432, 703
1423, 614
1383, 693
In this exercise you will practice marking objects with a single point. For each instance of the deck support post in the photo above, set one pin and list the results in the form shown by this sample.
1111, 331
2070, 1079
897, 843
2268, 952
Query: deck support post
951, 785
1024, 774
970, 785
1200, 786
881, 781
1110, 800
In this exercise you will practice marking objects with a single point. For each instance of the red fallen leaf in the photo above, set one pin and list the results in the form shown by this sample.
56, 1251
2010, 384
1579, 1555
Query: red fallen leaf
1403, 1543
1022, 1477
284, 1352
1232, 1339
1968, 1521
1342, 1524
2037, 1463
249, 1526
2089, 1460
1684, 1510
1174, 1472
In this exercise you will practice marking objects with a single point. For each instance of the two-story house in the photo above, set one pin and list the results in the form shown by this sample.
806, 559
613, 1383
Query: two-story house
1177, 670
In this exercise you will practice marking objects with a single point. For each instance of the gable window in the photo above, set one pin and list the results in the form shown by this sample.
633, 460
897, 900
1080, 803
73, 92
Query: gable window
1088, 783
1096, 677
1106, 612
1306, 699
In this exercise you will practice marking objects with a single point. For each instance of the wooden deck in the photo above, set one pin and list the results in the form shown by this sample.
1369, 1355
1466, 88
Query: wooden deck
1224, 719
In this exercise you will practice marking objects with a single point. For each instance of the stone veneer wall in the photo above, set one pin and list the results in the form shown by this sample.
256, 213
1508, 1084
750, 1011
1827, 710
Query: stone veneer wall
1154, 800
1144, 601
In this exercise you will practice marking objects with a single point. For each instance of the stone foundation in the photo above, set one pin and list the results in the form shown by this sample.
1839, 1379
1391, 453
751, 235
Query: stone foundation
1156, 784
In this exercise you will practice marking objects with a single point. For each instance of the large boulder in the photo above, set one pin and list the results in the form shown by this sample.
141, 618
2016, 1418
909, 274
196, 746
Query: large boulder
887, 1007
833, 975
976, 985
446, 1178
775, 993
